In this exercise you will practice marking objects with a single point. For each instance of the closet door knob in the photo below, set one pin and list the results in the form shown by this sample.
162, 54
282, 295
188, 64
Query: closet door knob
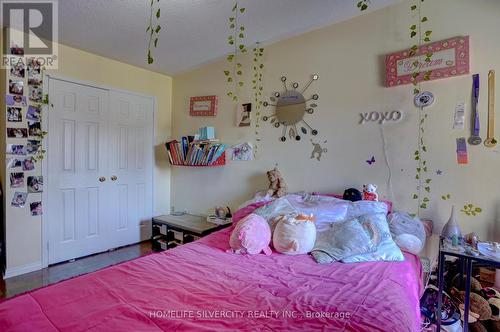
114, 178
102, 179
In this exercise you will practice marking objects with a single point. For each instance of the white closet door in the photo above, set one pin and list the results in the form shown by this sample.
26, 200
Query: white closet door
130, 167
77, 206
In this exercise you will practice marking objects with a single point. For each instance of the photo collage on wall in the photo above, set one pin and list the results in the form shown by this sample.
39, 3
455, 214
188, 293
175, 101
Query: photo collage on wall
24, 133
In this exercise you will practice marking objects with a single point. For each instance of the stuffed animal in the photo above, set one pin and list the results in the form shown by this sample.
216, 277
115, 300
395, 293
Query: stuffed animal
352, 194
478, 305
370, 192
277, 186
251, 235
407, 232
294, 235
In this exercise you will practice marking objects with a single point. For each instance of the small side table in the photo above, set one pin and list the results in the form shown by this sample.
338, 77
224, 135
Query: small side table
465, 260
169, 231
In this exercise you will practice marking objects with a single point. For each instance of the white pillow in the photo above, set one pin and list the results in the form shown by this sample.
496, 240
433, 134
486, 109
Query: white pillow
325, 209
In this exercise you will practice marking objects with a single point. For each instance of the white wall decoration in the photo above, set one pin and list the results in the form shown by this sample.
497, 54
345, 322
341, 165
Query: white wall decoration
380, 117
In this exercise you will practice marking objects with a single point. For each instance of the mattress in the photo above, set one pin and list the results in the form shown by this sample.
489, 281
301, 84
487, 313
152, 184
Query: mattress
200, 287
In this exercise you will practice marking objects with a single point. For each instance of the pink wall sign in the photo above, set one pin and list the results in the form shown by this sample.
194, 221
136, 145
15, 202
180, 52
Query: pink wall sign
203, 106
450, 58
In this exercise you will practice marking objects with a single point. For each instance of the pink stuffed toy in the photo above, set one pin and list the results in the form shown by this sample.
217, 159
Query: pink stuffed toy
251, 235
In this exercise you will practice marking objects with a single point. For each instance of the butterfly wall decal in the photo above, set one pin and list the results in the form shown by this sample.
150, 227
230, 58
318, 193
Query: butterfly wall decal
371, 161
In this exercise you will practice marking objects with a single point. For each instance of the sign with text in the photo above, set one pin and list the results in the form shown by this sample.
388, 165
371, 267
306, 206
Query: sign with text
449, 58
30, 33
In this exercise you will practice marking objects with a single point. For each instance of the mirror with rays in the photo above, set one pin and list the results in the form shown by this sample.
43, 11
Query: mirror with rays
290, 108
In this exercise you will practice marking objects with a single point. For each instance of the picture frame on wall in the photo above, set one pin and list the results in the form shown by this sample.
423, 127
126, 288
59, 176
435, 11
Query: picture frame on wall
243, 118
450, 58
203, 106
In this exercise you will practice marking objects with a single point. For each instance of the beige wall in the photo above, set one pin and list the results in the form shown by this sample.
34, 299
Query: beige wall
24, 231
349, 60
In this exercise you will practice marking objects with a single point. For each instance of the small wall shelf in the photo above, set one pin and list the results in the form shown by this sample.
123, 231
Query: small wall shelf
221, 161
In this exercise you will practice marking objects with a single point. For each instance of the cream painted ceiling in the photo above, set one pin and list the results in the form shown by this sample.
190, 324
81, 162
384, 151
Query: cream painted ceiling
193, 31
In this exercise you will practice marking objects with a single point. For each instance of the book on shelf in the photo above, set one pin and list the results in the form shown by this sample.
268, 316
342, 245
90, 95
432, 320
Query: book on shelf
189, 152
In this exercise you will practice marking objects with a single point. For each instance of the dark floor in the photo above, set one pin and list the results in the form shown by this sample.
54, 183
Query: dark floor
59, 272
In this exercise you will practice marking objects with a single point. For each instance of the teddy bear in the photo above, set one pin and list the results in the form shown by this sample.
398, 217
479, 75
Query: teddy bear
370, 192
277, 186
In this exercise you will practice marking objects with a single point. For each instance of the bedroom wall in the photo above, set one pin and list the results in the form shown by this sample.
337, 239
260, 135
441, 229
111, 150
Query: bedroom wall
24, 242
349, 60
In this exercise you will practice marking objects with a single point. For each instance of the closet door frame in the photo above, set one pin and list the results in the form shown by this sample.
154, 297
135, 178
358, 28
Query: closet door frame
45, 126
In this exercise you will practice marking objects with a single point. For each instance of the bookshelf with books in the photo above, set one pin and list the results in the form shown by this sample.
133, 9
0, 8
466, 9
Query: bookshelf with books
196, 153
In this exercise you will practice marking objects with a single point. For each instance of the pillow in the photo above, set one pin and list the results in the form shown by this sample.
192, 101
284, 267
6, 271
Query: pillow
276, 208
388, 203
325, 209
408, 232
251, 236
294, 235
361, 208
342, 240
386, 248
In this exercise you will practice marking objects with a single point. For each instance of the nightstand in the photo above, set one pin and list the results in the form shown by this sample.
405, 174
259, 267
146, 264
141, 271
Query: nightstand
169, 231
466, 259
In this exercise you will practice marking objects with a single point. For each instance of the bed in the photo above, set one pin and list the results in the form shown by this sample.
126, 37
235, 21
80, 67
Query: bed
200, 287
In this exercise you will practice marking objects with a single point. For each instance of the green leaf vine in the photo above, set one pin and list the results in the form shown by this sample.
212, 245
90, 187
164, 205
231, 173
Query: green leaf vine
471, 210
423, 188
258, 68
234, 76
363, 5
153, 29
40, 154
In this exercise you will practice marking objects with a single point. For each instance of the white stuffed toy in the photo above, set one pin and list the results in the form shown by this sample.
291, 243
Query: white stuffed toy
370, 192
407, 232
294, 235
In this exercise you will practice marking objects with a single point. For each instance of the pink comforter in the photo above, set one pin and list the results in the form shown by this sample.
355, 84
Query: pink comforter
200, 287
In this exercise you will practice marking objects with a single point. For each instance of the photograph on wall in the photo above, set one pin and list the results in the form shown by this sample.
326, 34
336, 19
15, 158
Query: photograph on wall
19, 199
16, 87
16, 50
243, 115
35, 93
34, 113
33, 146
16, 179
17, 132
14, 114
35, 184
18, 101
34, 72
36, 208
14, 162
16, 149
17, 70
34, 128
28, 164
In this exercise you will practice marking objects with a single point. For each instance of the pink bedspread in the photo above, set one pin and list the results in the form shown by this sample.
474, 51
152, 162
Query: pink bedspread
200, 287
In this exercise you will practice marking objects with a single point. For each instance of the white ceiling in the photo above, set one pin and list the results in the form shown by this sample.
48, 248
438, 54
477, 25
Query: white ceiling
194, 32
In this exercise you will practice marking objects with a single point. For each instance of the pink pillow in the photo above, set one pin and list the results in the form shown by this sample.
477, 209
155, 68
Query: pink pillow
251, 236
388, 203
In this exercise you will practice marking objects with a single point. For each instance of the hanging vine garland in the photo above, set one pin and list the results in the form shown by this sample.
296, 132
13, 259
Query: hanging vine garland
417, 31
153, 29
258, 67
363, 4
234, 75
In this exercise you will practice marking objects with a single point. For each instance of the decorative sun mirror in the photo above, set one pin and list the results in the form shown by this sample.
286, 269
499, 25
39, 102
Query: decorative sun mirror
290, 108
